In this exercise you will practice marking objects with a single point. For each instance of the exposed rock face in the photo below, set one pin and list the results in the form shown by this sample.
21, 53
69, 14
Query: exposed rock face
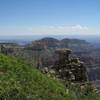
45, 49
43, 52
80, 48
68, 68
10, 48
45, 43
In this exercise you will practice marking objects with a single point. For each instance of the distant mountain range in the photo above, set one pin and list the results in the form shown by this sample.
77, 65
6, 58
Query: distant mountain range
27, 39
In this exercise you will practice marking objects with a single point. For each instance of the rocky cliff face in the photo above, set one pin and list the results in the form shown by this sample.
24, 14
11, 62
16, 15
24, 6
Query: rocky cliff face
43, 53
45, 49
80, 48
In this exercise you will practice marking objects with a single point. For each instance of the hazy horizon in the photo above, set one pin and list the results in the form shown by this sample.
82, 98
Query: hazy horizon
25, 38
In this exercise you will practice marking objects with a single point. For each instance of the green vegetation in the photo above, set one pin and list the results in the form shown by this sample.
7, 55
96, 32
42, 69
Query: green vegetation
20, 81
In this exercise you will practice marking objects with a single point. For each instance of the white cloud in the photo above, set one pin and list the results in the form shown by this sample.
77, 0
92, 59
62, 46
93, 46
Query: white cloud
50, 30
60, 29
79, 27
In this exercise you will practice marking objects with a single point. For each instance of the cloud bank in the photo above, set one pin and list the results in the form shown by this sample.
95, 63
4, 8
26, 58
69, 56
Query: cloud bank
50, 30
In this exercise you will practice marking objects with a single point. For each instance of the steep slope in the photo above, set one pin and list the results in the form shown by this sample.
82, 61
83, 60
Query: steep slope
19, 81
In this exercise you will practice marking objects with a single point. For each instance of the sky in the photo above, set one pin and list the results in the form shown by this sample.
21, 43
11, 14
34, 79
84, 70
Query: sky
49, 17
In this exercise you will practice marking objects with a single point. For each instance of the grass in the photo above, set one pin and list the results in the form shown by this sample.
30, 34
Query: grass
21, 81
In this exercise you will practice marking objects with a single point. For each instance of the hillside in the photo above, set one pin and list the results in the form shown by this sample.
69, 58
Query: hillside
19, 81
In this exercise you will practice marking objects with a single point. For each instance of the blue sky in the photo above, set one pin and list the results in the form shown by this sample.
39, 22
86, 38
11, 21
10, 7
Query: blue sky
29, 17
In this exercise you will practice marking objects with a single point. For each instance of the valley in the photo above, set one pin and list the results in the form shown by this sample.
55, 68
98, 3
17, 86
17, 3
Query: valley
42, 53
